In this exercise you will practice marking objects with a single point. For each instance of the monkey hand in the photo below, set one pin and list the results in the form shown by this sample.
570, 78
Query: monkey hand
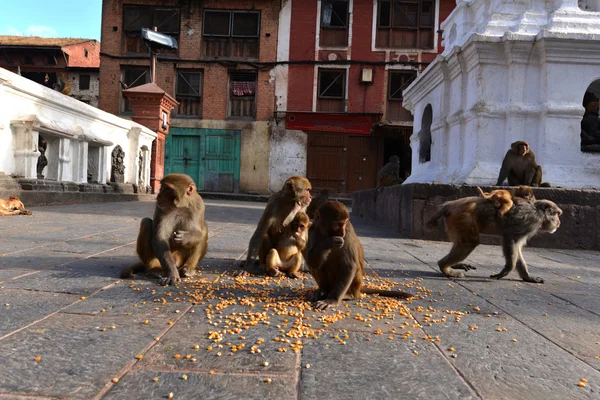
325, 304
337, 242
172, 279
181, 237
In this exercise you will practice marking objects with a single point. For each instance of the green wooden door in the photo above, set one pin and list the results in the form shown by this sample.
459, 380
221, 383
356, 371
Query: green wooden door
210, 156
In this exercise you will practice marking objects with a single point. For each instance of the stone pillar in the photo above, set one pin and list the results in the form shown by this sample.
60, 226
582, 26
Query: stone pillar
64, 160
152, 108
80, 165
26, 151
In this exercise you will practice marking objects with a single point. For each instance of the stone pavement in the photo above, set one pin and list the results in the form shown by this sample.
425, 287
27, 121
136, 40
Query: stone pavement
69, 328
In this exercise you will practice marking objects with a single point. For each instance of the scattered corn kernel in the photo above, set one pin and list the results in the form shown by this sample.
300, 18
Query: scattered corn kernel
82, 297
268, 380
196, 347
115, 380
184, 377
513, 339
581, 384
155, 379
584, 380
38, 359
266, 363
170, 396
177, 356
139, 356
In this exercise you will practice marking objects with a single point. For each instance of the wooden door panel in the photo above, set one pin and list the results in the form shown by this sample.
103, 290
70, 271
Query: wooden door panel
326, 162
362, 163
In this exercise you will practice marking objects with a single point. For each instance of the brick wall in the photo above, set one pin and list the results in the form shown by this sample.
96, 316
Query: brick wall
215, 79
77, 56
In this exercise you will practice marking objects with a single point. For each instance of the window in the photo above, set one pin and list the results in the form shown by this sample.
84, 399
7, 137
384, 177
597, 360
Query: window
231, 34
331, 90
51, 60
137, 17
132, 77
84, 82
28, 60
398, 81
189, 93
242, 94
406, 24
85, 53
334, 23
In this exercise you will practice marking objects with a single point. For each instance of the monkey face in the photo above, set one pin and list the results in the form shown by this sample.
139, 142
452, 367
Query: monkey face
300, 227
522, 148
338, 228
552, 215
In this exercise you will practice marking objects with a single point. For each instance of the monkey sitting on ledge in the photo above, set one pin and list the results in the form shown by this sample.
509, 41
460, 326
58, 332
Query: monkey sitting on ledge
519, 167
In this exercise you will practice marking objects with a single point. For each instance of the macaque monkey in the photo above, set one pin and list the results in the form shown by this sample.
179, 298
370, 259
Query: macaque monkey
465, 219
177, 238
519, 167
335, 258
316, 203
389, 174
504, 199
281, 209
12, 206
287, 256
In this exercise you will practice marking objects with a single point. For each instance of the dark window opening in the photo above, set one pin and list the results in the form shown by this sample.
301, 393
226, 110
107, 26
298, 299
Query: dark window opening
51, 60
242, 94
166, 20
398, 81
231, 34
334, 23
133, 77
331, 90
425, 135
406, 24
590, 123
85, 53
84, 82
28, 60
189, 93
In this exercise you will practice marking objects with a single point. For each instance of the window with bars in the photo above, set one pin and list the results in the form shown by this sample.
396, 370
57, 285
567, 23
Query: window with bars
406, 24
331, 90
132, 77
166, 20
397, 82
242, 94
334, 23
231, 34
188, 93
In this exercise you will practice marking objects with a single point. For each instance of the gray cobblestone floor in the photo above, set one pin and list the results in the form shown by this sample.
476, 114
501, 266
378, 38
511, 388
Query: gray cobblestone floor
61, 300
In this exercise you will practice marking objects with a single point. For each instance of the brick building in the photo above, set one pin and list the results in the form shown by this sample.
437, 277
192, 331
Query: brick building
221, 75
349, 61
69, 65
274, 88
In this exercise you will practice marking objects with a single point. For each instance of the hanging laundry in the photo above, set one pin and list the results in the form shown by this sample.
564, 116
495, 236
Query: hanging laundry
243, 88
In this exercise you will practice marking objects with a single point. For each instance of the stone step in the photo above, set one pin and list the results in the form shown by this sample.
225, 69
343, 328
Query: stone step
8, 184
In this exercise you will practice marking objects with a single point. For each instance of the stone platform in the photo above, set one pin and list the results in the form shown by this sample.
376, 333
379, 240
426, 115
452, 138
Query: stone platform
406, 208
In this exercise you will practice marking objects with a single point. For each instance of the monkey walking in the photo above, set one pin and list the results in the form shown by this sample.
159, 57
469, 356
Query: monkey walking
176, 239
465, 219
287, 256
519, 167
335, 258
281, 209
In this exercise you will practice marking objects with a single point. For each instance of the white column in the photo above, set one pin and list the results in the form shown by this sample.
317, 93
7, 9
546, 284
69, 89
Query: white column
65, 171
25, 145
80, 161
102, 165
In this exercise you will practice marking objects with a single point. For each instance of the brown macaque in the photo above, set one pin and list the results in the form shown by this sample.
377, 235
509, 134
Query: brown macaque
12, 206
176, 239
465, 219
519, 167
335, 258
316, 203
504, 199
389, 175
281, 209
287, 256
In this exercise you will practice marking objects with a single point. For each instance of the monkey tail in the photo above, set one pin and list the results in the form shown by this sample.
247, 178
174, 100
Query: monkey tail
387, 293
545, 184
433, 221
481, 193
128, 272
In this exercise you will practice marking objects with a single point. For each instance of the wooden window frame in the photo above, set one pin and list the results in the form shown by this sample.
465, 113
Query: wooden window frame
420, 27
188, 100
209, 40
125, 106
132, 38
323, 100
394, 98
247, 99
334, 36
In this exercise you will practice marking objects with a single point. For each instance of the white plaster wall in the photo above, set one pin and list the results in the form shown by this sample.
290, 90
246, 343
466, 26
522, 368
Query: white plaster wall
21, 97
288, 155
504, 80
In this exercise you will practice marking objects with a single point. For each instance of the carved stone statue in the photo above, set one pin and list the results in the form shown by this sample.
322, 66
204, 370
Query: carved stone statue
141, 183
117, 173
42, 160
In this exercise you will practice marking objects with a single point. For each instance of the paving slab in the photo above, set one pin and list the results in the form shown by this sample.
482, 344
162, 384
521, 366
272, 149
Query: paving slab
453, 340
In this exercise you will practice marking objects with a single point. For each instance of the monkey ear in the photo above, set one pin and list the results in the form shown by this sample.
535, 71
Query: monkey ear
309, 225
13, 198
191, 189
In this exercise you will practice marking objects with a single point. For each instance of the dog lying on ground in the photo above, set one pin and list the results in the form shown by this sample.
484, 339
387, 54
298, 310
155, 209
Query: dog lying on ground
12, 206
